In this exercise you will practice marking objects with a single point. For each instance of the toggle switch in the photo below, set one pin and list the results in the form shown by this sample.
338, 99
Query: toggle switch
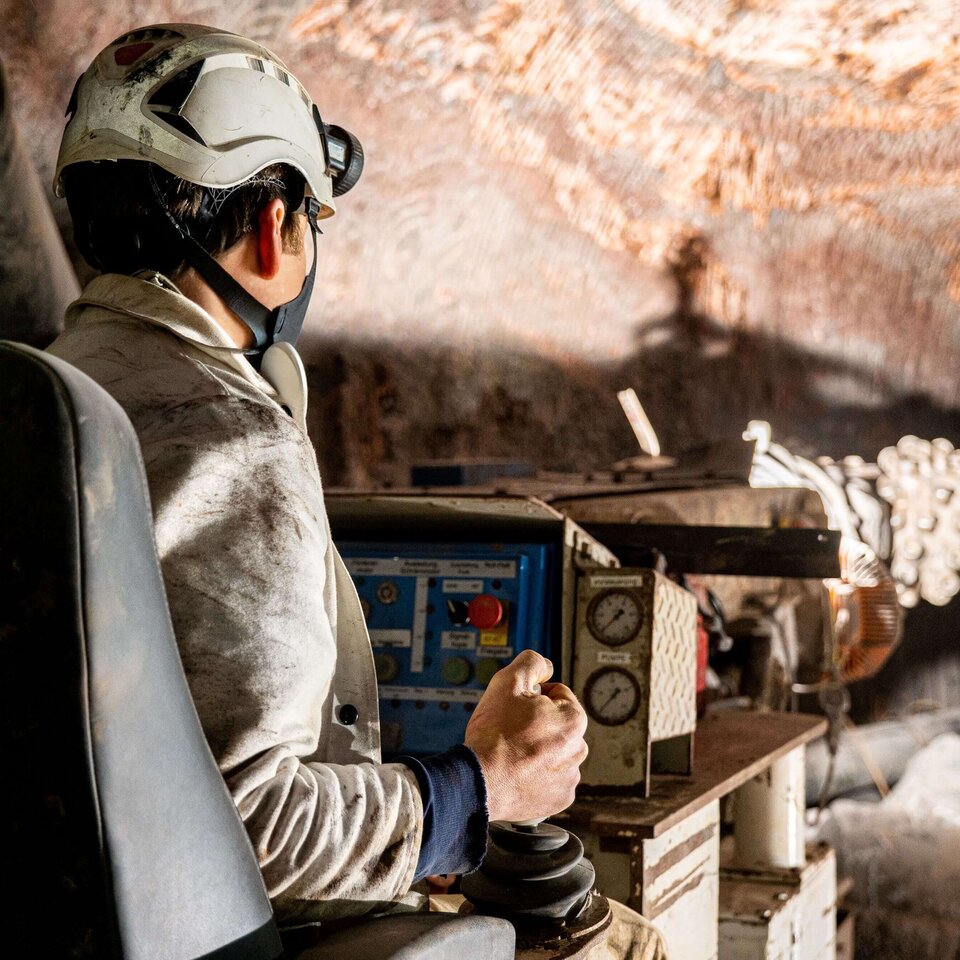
458, 612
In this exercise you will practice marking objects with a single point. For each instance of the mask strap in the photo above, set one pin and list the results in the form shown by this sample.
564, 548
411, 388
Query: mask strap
287, 319
267, 326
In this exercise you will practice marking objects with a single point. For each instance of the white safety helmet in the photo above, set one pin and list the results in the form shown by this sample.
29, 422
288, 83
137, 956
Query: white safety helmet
207, 106
213, 109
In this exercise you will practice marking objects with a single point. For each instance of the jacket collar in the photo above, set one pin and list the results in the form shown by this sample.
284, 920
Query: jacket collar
153, 298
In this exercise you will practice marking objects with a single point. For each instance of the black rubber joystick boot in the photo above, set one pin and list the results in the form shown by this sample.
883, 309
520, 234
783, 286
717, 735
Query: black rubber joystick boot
536, 872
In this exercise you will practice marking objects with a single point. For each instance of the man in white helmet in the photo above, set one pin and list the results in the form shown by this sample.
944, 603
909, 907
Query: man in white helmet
196, 169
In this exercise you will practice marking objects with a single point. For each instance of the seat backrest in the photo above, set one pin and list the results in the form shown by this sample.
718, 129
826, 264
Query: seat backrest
121, 840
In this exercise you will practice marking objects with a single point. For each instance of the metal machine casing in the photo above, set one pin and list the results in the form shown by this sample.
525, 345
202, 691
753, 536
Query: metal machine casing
635, 673
779, 913
468, 528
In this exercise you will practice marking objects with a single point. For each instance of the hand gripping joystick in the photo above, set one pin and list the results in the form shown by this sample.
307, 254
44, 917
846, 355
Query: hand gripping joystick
534, 874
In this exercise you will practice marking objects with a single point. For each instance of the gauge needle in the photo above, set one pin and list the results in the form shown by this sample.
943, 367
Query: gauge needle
613, 696
613, 619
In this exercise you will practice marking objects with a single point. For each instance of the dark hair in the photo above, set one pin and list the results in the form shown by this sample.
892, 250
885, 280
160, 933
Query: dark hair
120, 228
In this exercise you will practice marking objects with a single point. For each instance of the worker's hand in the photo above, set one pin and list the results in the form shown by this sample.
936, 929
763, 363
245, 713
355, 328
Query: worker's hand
530, 745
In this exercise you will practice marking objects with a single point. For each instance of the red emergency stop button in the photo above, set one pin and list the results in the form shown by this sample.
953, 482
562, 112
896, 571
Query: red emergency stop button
485, 612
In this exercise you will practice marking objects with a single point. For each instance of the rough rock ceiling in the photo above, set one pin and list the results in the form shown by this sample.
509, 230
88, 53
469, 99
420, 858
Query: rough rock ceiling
743, 208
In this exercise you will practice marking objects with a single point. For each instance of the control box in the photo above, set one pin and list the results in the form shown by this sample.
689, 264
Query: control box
443, 618
453, 587
635, 672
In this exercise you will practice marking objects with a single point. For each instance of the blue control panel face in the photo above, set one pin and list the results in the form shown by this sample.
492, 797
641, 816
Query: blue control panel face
443, 618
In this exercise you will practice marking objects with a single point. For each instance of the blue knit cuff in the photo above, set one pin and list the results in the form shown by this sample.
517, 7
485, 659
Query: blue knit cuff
454, 796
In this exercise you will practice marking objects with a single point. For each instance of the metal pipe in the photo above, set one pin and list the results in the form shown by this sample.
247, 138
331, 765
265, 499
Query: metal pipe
37, 280
890, 744
768, 813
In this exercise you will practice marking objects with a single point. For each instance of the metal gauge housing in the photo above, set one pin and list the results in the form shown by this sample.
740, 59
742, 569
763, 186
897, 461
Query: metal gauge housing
615, 617
611, 696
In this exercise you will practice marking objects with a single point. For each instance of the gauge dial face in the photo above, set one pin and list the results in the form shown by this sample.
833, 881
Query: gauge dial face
615, 617
611, 696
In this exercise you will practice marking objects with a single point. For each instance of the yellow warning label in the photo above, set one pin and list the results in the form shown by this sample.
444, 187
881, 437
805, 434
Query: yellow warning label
493, 638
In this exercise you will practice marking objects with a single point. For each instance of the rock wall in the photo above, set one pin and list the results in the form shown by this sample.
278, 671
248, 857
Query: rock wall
742, 209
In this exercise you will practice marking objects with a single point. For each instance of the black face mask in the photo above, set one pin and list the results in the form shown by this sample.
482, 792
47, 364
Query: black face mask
268, 326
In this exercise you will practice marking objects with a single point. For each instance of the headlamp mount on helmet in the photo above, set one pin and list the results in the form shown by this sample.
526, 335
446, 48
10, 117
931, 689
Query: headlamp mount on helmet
344, 155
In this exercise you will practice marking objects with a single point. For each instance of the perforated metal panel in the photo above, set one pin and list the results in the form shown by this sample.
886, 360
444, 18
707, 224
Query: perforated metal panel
673, 710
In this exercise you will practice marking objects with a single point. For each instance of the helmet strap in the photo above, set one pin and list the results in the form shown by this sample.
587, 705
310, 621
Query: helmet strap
268, 326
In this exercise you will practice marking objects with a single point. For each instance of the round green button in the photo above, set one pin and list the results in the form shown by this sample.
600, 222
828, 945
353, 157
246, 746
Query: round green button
456, 670
486, 668
387, 667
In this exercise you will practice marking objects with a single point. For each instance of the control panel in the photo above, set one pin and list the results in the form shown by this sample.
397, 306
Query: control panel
443, 619
635, 664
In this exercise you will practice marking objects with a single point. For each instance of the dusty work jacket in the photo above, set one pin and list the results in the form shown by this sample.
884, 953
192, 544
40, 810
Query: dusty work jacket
267, 620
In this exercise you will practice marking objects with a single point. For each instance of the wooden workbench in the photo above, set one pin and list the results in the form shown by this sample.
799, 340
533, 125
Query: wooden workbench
731, 748
660, 854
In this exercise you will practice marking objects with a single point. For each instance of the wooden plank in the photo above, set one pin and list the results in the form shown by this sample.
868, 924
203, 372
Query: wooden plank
680, 885
731, 748
673, 880
731, 551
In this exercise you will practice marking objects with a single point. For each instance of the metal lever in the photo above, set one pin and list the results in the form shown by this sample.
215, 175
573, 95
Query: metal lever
530, 824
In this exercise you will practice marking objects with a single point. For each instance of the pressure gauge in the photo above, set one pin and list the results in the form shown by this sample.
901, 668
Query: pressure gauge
615, 617
611, 696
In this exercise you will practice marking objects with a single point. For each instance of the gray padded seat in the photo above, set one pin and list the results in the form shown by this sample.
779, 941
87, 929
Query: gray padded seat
122, 841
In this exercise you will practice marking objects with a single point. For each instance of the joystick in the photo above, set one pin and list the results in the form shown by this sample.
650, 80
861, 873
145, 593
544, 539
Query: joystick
531, 871
536, 876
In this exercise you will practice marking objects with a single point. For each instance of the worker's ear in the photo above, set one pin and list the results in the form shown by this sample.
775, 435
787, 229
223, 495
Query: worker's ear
270, 239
